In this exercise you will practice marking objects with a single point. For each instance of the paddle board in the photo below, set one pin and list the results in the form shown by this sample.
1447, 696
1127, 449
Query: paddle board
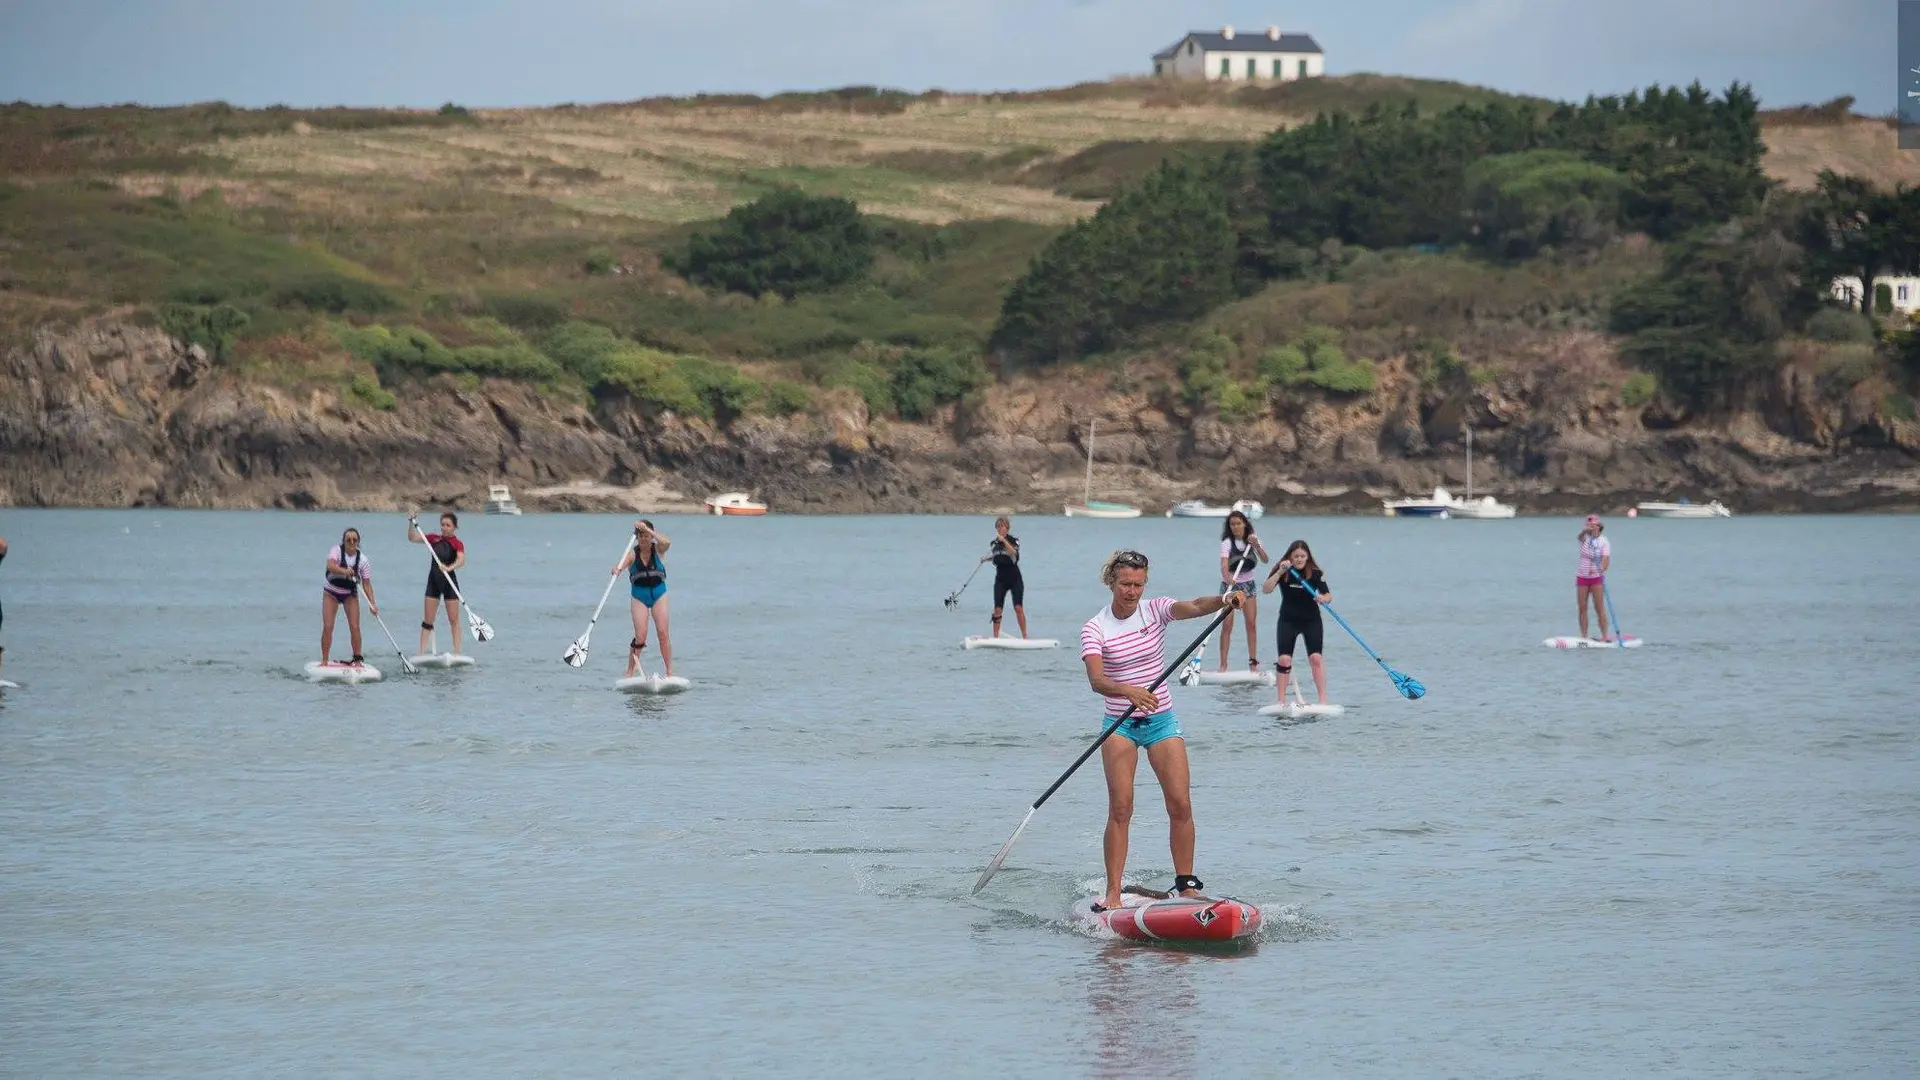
341, 672
1178, 919
1235, 678
441, 660
1627, 641
6, 684
975, 641
1295, 710
652, 684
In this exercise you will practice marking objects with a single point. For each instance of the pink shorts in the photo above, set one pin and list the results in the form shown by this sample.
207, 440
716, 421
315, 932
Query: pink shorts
1587, 582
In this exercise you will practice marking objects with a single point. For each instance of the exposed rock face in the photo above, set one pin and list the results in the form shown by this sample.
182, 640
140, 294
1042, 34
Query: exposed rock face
110, 414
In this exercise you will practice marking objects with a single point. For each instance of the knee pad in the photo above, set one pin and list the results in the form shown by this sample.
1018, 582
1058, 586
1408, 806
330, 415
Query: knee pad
426, 626
636, 644
1285, 665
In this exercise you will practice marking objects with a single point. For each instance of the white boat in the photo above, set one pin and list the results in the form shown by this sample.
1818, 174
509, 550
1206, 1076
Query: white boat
500, 500
1200, 508
735, 504
1438, 505
1088, 507
1486, 507
1683, 509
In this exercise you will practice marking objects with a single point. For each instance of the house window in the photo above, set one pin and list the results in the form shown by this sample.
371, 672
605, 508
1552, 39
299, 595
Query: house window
1276, 67
1251, 73
1900, 294
1301, 71
1156, 67
1226, 67
1189, 48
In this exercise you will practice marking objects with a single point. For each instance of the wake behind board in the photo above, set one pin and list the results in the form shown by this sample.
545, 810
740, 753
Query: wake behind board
1175, 919
1235, 678
975, 641
7, 684
1573, 642
652, 684
337, 672
441, 660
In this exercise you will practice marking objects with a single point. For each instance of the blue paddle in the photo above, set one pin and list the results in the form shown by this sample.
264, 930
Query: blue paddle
1619, 635
1409, 687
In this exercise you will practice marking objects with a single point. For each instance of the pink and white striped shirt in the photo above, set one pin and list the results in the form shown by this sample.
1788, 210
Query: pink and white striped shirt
1131, 650
1592, 550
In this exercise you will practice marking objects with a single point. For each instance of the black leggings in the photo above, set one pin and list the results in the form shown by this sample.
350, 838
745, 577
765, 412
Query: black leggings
1288, 632
1002, 586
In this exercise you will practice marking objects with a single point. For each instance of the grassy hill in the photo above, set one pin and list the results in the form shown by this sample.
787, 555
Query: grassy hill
491, 227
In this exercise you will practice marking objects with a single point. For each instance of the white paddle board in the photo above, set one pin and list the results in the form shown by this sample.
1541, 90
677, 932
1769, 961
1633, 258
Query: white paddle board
6, 684
1294, 710
1235, 678
1626, 641
441, 660
343, 673
652, 684
975, 641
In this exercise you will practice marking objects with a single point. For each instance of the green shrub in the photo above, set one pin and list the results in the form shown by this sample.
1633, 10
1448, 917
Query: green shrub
786, 243
1238, 402
525, 312
785, 397
1282, 365
860, 372
925, 379
1847, 366
1883, 298
583, 348
598, 263
411, 351
212, 327
1342, 376
367, 390
333, 294
1638, 390
1203, 367
653, 378
1831, 324
722, 391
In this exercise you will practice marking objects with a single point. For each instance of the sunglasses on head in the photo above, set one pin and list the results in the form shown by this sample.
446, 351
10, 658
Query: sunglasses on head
1131, 559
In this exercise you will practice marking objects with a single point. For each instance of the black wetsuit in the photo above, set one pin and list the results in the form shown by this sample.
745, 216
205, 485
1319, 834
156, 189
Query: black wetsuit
441, 586
1299, 613
1006, 572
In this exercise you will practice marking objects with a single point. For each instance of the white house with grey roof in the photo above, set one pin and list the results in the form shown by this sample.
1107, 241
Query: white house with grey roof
1270, 56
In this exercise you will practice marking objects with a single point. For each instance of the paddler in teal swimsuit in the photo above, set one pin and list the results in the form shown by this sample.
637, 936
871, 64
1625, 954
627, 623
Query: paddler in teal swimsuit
647, 578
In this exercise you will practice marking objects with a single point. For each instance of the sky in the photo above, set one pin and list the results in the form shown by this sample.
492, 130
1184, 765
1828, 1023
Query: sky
489, 53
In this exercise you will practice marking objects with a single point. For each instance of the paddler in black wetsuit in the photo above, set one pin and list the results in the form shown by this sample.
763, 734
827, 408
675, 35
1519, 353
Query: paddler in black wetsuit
1004, 550
453, 555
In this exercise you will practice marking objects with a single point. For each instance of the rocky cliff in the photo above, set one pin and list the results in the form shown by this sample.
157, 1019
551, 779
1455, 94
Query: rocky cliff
113, 414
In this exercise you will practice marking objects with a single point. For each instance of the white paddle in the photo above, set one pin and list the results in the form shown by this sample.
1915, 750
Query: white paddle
576, 655
405, 664
481, 631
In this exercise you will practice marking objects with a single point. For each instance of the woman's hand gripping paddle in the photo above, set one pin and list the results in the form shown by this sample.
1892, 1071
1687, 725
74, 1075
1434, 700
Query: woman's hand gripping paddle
953, 598
1000, 857
405, 664
576, 655
481, 631
1409, 687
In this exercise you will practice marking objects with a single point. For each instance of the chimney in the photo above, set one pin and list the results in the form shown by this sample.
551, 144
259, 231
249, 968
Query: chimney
1227, 32
1273, 33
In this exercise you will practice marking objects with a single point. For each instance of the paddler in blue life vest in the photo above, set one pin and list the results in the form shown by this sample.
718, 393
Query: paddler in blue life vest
647, 578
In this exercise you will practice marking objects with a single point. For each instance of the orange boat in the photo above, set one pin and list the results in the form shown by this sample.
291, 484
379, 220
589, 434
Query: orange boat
735, 504
1175, 918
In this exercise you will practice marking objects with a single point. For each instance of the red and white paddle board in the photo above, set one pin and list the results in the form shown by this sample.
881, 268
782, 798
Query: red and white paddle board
1625, 641
1178, 918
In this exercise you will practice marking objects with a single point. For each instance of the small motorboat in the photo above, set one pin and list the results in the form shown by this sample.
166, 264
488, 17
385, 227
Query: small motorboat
1683, 509
735, 504
500, 500
1200, 508
1438, 505
1484, 508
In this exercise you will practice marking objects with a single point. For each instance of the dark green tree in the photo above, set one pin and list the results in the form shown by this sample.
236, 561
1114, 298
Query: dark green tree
787, 242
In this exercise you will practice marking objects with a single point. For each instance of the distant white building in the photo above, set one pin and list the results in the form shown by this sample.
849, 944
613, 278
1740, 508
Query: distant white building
1272, 56
1905, 290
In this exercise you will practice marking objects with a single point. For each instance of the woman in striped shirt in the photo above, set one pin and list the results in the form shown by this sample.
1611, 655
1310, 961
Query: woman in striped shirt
1590, 578
1124, 647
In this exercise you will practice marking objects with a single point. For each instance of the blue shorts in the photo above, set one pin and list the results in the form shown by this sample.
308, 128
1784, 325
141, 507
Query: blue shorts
649, 594
1144, 732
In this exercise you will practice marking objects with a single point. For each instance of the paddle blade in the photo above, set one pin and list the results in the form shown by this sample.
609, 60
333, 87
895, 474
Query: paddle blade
406, 665
1410, 688
576, 655
1000, 857
481, 631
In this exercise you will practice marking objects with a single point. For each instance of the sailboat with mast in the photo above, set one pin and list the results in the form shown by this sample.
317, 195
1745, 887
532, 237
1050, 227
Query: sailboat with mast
1486, 507
1088, 507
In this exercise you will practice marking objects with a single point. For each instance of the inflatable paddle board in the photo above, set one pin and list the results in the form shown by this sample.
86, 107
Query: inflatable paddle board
441, 660
1176, 919
1626, 641
977, 642
340, 672
1235, 678
652, 684
1295, 710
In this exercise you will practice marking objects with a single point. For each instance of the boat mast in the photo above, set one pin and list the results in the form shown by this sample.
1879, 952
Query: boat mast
1087, 492
1469, 462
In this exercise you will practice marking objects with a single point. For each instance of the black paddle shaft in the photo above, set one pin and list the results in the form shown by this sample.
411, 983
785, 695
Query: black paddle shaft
1118, 720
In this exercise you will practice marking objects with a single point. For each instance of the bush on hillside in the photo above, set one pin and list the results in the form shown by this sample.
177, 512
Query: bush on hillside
412, 352
1830, 324
925, 379
1521, 203
786, 243
212, 327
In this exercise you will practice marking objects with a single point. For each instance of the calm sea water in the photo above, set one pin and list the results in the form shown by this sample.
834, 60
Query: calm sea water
1699, 858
